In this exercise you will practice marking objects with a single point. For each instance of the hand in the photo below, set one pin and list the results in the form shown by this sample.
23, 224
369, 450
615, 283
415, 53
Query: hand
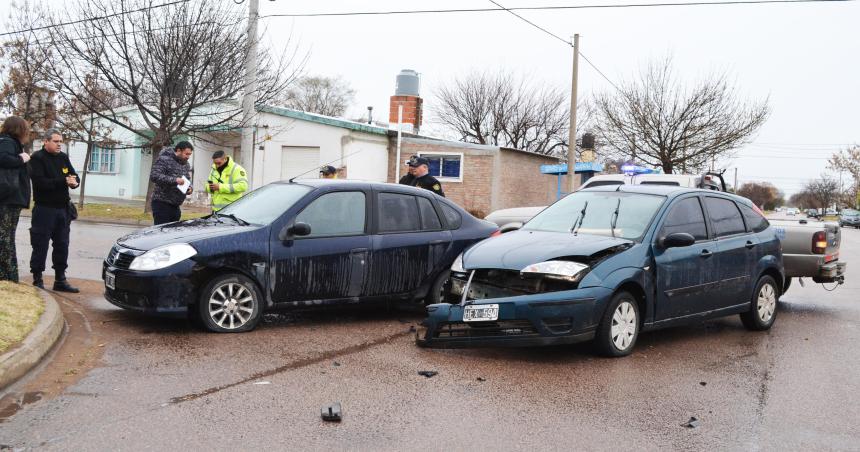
71, 181
24, 156
180, 181
214, 186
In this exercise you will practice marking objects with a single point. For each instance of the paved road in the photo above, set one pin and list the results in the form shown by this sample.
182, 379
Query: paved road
122, 381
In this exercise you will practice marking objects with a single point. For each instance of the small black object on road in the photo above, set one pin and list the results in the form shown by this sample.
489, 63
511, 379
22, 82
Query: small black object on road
428, 373
692, 423
332, 413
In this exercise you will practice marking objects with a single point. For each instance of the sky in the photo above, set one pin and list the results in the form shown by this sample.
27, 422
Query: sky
803, 57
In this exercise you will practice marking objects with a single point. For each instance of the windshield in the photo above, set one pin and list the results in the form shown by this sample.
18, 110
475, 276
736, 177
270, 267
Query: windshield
265, 204
594, 212
850, 212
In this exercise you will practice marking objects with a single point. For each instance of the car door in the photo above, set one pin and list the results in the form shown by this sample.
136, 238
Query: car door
407, 246
735, 255
684, 273
331, 262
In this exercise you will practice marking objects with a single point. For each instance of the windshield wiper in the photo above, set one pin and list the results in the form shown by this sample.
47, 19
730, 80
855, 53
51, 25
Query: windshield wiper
615, 217
230, 216
579, 219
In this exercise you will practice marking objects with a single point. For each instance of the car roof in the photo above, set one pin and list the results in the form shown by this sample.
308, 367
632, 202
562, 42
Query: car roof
358, 184
663, 190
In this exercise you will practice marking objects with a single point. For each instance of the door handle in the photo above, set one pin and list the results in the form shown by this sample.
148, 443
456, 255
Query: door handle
750, 245
706, 253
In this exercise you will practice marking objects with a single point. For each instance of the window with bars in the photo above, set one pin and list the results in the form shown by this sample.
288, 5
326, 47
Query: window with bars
445, 166
103, 160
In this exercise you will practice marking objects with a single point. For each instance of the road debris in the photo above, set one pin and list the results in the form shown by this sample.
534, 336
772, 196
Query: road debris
428, 373
263, 383
481, 379
703, 383
692, 423
332, 413
335, 364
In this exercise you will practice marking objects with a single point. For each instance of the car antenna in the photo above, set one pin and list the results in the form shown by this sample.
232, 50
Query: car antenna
325, 164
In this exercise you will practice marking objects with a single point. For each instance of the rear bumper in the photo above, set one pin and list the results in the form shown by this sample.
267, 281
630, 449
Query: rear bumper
831, 272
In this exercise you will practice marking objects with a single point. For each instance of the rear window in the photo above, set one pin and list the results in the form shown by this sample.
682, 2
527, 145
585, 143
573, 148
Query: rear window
657, 182
603, 183
452, 217
725, 216
755, 221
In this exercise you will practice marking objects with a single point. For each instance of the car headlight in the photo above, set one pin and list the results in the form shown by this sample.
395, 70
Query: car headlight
163, 256
563, 270
457, 266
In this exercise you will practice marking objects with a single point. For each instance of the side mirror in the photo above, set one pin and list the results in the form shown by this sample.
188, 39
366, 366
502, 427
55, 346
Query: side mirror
677, 240
297, 230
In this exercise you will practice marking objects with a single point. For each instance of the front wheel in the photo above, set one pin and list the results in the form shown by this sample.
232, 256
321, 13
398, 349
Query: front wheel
230, 304
619, 327
438, 289
762, 311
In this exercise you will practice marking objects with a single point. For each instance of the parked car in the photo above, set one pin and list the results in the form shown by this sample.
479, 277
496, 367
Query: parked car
792, 211
605, 263
813, 213
831, 213
849, 217
810, 249
293, 245
512, 219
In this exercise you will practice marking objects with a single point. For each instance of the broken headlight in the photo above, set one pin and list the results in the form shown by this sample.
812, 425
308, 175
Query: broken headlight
561, 270
163, 256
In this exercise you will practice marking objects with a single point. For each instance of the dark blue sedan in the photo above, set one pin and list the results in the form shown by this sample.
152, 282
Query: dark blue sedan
294, 245
604, 264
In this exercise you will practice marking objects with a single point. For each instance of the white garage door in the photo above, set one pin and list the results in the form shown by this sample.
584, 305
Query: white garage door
301, 162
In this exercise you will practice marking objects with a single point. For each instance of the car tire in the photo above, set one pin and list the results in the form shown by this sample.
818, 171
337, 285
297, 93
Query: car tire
435, 294
244, 304
786, 285
619, 328
763, 310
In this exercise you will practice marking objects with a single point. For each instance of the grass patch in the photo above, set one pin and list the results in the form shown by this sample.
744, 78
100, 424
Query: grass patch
20, 308
131, 213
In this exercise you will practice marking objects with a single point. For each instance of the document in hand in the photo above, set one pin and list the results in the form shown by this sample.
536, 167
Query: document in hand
185, 185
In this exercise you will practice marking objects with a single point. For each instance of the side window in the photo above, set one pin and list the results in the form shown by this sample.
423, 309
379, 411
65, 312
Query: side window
452, 217
755, 221
398, 213
686, 216
725, 216
429, 218
332, 214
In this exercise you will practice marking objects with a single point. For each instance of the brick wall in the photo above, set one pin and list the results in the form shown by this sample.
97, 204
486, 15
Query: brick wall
521, 183
412, 110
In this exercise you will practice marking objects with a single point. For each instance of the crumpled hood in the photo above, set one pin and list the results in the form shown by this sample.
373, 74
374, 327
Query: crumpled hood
187, 231
515, 250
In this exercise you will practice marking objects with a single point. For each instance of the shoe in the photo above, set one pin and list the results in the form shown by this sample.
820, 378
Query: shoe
64, 286
37, 280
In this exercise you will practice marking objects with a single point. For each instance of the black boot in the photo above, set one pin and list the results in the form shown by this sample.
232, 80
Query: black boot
37, 280
61, 285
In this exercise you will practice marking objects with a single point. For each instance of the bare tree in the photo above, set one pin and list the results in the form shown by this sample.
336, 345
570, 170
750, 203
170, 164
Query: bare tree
823, 192
663, 122
329, 96
763, 194
25, 90
178, 65
503, 110
849, 160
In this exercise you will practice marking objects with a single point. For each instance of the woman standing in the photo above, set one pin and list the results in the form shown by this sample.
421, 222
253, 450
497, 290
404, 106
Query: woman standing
14, 190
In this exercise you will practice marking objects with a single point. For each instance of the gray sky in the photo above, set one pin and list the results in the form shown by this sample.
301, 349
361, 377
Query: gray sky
804, 56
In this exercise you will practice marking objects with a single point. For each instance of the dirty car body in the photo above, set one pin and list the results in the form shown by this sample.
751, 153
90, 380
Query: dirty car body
317, 242
679, 255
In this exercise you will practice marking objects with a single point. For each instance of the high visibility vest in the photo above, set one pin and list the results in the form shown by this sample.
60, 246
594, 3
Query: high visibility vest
232, 184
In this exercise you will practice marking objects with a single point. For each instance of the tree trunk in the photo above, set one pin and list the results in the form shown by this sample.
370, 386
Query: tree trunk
88, 156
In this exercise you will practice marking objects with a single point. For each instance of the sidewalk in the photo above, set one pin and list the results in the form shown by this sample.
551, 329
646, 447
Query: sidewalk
15, 363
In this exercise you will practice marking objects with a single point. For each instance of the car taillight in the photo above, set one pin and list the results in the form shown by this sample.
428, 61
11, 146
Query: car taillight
819, 242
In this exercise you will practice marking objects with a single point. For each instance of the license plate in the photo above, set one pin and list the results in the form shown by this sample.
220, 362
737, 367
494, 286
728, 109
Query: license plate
481, 313
110, 281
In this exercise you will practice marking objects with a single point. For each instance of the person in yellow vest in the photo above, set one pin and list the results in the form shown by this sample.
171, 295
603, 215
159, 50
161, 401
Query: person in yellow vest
227, 181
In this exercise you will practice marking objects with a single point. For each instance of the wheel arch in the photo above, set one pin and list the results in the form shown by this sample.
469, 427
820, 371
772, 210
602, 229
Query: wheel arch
207, 274
777, 276
638, 293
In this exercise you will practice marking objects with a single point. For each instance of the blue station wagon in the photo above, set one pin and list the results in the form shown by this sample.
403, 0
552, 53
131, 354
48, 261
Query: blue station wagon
605, 263
294, 245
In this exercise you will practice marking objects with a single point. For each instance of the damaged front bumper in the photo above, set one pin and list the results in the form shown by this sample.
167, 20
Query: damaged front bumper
562, 317
168, 291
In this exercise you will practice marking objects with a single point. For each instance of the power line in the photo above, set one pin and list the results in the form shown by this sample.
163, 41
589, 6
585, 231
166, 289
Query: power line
599, 71
547, 8
93, 19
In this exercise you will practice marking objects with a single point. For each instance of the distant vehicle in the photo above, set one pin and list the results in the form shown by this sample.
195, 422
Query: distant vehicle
831, 212
294, 245
512, 219
849, 217
813, 213
791, 211
606, 263
810, 250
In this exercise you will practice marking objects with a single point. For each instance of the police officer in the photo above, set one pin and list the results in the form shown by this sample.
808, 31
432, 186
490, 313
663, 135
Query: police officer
227, 181
52, 175
420, 169
328, 172
407, 178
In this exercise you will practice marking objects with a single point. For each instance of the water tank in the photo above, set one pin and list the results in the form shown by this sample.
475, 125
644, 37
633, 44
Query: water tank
408, 83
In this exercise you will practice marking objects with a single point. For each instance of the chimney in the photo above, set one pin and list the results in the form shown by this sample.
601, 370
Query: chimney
406, 93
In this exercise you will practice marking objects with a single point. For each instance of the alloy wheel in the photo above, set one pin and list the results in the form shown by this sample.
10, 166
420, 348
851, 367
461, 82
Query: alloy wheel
766, 303
624, 325
231, 305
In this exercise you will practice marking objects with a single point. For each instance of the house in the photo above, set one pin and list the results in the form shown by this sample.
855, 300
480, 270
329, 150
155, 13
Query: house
294, 144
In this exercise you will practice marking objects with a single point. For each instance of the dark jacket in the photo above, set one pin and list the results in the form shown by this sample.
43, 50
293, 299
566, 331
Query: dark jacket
10, 161
165, 170
428, 182
48, 172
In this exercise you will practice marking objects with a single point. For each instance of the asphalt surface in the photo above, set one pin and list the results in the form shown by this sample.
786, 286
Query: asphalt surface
124, 381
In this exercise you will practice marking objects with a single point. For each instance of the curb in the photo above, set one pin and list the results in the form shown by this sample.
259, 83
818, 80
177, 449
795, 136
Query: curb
16, 363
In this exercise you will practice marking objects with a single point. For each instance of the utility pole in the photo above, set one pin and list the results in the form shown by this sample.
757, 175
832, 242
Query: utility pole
571, 147
736, 180
250, 97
